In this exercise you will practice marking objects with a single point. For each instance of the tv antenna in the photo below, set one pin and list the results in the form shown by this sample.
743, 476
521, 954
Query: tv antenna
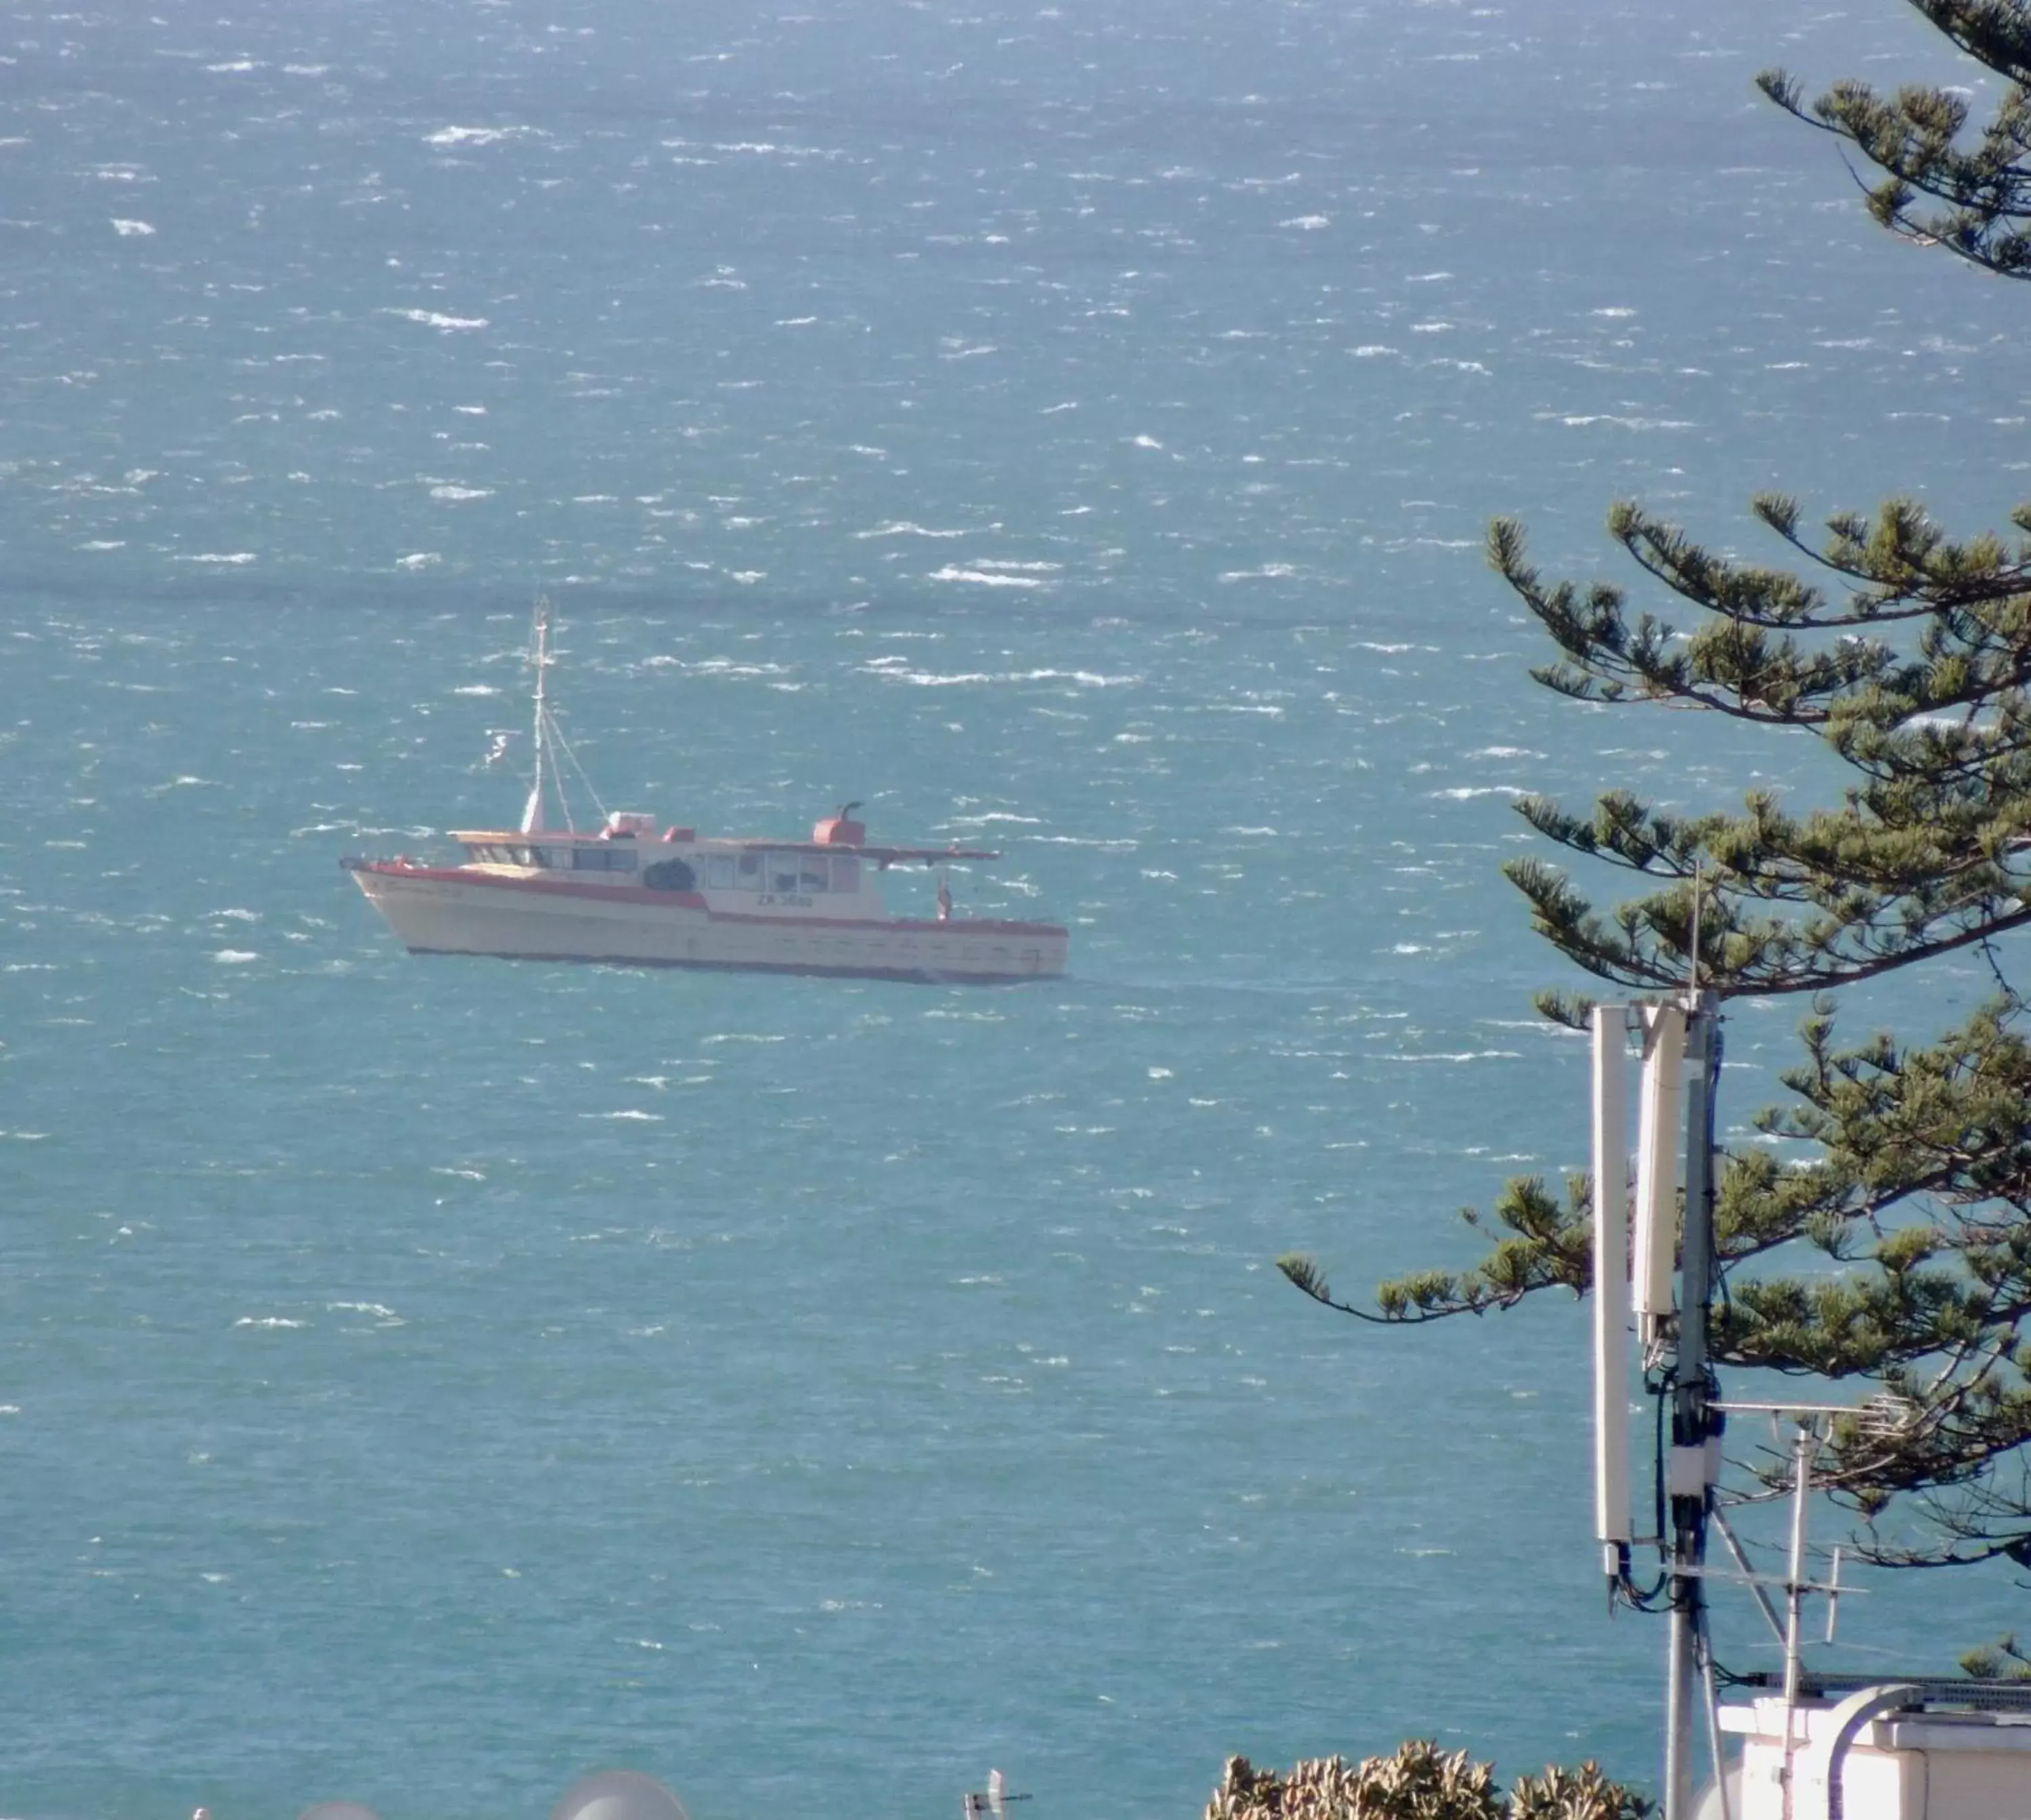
994, 1801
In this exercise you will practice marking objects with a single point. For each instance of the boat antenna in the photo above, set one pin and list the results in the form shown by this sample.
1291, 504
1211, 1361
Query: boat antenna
532, 813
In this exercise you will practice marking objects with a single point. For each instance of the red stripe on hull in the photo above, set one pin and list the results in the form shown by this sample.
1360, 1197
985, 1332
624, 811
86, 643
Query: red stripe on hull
919, 976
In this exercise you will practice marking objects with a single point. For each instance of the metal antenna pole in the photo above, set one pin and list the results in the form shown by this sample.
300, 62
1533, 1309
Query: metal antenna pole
1687, 1480
1804, 1443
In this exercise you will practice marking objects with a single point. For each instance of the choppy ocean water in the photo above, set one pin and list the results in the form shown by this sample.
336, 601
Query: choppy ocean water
1070, 427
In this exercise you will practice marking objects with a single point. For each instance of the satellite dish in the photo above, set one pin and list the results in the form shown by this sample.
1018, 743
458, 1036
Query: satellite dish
618, 1795
338, 1810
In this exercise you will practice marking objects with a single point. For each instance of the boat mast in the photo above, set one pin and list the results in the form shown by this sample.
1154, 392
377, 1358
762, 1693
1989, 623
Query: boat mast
532, 812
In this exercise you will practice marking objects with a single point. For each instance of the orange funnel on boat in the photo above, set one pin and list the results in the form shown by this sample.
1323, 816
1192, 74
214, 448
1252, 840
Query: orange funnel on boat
839, 830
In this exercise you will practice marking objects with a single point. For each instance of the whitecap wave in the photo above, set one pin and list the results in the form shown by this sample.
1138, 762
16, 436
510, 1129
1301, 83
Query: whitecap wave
384, 1315
1269, 572
985, 578
481, 135
1584, 422
436, 319
891, 669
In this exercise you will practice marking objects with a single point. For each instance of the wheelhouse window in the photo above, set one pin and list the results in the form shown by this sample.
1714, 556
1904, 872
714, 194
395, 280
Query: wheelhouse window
783, 874
812, 874
748, 867
719, 871
846, 872
602, 859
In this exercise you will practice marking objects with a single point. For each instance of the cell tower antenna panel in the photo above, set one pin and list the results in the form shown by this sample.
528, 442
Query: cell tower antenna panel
1659, 1125
1611, 1286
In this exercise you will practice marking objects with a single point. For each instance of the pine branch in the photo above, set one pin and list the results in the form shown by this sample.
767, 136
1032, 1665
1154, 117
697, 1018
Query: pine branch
1976, 193
1905, 653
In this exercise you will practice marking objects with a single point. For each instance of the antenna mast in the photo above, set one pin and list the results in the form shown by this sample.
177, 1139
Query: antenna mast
1633, 1277
1693, 1458
1637, 1237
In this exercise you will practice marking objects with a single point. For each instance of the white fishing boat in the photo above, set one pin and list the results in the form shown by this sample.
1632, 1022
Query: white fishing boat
631, 891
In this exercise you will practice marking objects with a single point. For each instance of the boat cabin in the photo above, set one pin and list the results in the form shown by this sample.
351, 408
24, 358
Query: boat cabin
833, 874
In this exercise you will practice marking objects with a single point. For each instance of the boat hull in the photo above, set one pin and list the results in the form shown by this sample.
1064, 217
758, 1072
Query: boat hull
446, 910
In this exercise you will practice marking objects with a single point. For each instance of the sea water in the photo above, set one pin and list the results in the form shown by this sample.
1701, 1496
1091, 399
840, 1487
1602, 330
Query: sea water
1066, 428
